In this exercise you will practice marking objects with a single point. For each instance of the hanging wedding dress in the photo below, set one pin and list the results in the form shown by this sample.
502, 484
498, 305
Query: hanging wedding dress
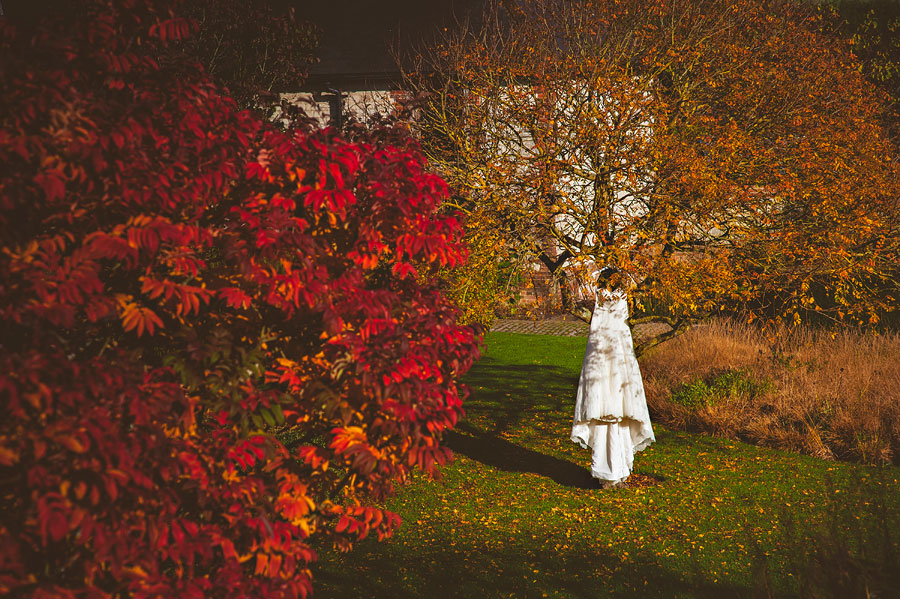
611, 417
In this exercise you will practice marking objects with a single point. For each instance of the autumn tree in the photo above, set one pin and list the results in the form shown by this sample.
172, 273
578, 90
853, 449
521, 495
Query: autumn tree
873, 28
725, 154
221, 344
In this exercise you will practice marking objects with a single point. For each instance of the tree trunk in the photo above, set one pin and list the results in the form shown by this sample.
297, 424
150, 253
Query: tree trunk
555, 266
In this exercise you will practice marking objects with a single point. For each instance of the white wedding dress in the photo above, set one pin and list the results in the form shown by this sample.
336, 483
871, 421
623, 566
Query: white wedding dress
611, 417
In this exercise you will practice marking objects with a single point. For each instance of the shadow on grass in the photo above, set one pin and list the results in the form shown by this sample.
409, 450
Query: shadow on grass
504, 393
500, 453
499, 570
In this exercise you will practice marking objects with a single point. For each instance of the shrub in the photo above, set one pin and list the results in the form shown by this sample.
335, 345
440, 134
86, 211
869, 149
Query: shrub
221, 345
728, 385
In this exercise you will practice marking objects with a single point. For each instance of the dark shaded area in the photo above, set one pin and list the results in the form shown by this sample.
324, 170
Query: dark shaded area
29, 12
504, 394
359, 39
472, 571
502, 454
509, 457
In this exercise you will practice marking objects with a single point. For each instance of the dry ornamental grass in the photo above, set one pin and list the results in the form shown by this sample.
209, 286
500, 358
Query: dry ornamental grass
832, 395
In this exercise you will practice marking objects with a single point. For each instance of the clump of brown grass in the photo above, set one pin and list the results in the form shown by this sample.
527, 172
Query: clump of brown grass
829, 394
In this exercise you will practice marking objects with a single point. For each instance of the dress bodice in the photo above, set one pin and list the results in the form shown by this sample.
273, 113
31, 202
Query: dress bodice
610, 307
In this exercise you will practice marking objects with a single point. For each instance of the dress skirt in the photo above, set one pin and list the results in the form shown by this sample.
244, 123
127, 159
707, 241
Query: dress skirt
611, 417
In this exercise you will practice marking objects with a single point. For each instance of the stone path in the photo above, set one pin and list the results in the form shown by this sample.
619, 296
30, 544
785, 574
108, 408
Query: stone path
567, 328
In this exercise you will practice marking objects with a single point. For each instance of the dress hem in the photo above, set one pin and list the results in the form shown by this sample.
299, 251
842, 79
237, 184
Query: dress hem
584, 444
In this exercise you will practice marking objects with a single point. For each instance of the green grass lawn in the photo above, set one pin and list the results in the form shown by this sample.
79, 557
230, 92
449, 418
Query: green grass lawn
517, 514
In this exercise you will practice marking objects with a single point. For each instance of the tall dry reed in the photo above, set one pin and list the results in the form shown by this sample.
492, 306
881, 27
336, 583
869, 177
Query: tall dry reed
832, 395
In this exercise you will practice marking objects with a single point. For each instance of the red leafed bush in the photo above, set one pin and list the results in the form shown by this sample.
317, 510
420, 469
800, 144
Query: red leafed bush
219, 340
